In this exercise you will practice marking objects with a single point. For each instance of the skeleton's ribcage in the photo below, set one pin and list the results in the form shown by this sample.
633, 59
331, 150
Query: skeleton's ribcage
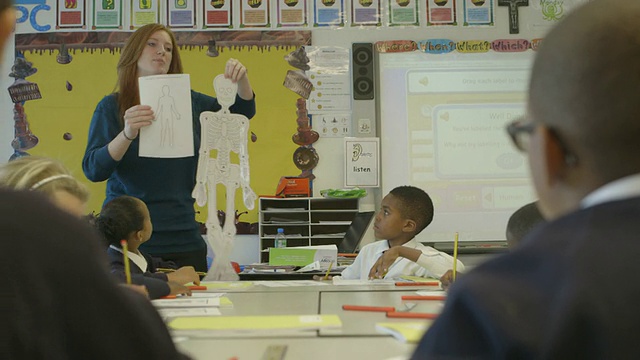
224, 132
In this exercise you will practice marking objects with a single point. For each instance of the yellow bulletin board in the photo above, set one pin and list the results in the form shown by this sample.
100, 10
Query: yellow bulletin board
92, 74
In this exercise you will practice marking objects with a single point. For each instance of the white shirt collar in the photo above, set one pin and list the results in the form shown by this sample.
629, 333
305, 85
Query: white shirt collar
624, 188
413, 243
139, 260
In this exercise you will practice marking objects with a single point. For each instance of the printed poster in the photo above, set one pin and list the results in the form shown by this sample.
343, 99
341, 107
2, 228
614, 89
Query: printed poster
330, 77
328, 13
144, 12
254, 13
71, 14
217, 13
441, 12
333, 125
181, 13
362, 162
478, 12
292, 13
107, 14
365, 12
403, 12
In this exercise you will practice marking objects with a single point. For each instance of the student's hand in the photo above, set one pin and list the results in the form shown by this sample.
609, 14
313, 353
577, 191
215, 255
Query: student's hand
136, 117
184, 275
447, 279
140, 289
380, 268
234, 70
321, 277
178, 289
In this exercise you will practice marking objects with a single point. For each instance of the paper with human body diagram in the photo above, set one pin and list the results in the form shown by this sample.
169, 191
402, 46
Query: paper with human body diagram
171, 133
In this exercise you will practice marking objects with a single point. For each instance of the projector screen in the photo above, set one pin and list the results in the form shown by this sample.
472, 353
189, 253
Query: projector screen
442, 128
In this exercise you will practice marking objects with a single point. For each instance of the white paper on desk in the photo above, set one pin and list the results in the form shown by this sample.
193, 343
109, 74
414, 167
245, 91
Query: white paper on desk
314, 266
171, 133
325, 247
209, 295
212, 311
181, 303
431, 293
341, 281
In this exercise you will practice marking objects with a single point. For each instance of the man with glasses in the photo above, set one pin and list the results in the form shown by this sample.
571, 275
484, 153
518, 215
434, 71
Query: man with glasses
570, 289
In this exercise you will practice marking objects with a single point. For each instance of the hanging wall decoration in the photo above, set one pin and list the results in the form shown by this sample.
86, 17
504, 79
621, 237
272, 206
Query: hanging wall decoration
21, 91
305, 157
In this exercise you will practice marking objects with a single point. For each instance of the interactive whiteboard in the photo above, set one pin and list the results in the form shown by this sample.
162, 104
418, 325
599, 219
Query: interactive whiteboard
442, 128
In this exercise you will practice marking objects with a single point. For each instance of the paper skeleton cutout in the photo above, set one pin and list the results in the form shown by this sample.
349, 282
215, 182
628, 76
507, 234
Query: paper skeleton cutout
226, 133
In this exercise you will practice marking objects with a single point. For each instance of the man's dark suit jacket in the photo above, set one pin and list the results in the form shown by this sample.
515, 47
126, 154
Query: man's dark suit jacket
570, 291
156, 283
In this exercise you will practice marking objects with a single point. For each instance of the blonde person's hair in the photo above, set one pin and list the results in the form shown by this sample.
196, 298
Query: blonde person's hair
127, 87
43, 175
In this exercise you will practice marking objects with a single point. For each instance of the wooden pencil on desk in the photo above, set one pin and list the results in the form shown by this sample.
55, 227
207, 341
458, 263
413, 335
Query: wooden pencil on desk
127, 269
455, 256
326, 276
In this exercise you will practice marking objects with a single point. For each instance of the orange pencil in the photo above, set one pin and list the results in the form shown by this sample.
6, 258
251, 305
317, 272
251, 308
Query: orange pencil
197, 287
127, 270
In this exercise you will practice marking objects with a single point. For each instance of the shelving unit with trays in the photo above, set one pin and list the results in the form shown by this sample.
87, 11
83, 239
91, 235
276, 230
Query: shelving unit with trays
306, 221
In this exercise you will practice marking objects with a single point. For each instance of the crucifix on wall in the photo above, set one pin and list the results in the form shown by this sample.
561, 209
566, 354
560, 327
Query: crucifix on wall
514, 27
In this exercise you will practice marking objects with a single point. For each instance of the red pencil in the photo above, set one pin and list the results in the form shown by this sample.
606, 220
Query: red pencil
368, 308
197, 287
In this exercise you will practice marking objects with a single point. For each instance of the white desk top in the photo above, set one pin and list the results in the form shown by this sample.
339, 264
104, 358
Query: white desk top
363, 323
325, 348
357, 339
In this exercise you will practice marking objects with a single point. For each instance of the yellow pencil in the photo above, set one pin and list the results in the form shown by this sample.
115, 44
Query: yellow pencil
455, 256
127, 270
326, 276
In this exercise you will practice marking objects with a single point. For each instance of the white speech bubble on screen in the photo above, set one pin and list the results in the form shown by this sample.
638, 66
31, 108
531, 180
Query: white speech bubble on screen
471, 141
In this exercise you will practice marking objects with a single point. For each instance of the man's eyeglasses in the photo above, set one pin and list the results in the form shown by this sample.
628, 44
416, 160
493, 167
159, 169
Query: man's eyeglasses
520, 133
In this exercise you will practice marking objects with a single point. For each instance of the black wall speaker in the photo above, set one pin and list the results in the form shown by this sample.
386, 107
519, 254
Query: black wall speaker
363, 85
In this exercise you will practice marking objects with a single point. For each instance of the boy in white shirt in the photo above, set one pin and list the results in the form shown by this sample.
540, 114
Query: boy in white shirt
404, 213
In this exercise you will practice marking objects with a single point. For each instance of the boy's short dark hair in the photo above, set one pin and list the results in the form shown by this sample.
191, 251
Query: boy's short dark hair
521, 222
416, 205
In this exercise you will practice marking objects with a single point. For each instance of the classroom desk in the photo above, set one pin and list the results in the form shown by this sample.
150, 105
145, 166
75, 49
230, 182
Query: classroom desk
348, 348
356, 339
271, 303
283, 276
257, 287
363, 323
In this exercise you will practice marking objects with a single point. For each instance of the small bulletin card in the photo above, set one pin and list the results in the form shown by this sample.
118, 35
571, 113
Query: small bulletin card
71, 14
362, 162
144, 12
217, 13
